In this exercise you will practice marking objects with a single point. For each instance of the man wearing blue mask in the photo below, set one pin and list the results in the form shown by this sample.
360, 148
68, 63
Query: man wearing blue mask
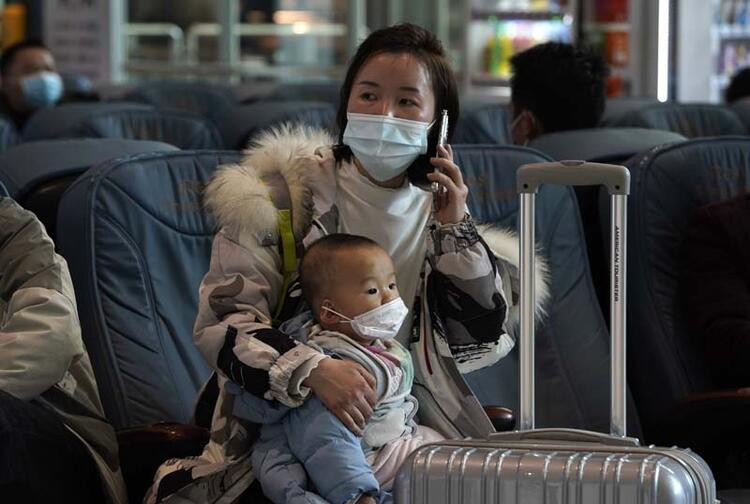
29, 80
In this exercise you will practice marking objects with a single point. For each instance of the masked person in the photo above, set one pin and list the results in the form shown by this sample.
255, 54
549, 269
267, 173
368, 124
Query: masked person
29, 81
349, 282
555, 87
297, 185
55, 444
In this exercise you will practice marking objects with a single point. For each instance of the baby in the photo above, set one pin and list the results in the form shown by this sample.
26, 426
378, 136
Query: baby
349, 283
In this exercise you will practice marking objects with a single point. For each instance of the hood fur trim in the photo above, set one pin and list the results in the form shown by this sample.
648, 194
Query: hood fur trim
504, 243
239, 197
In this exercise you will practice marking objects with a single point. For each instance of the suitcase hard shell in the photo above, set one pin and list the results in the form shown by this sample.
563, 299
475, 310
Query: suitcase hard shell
534, 466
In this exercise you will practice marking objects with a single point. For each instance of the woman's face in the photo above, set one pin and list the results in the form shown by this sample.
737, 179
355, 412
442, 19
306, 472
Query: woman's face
395, 85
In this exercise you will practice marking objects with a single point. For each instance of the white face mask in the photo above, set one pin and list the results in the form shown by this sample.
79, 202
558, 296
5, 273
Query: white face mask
382, 322
385, 146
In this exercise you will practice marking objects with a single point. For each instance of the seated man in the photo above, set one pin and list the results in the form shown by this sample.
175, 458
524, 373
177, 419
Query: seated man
55, 445
715, 288
29, 81
555, 87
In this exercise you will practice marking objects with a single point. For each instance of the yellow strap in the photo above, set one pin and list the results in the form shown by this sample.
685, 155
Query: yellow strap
288, 258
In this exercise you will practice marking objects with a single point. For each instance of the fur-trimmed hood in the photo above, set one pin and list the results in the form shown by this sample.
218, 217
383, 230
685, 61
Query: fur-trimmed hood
504, 244
246, 197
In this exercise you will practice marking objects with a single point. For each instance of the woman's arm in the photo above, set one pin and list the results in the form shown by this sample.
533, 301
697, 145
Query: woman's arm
466, 280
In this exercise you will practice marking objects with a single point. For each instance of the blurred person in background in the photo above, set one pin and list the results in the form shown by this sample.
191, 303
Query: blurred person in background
29, 80
555, 87
739, 86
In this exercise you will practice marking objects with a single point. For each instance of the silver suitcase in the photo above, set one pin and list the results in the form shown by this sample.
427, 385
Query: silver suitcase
533, 466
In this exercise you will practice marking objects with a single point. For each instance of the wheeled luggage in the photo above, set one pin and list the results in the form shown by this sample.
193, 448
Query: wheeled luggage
531, 465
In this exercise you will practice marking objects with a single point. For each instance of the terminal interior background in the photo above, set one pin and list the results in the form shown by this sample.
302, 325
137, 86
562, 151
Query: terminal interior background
273, 55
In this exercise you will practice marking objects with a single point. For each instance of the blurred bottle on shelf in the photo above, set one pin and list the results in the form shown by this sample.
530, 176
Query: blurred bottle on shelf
12, 25
506, 50
611, 11
616, 86
741, 14
617, 48
540, 5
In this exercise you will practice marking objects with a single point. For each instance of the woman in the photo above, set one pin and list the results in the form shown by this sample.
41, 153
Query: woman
398, 83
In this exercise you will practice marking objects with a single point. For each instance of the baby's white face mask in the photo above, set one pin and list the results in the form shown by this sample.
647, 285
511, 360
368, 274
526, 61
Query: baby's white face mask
382, 322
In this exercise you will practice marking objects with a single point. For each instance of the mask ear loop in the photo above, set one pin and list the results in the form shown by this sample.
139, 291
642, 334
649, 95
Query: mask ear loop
346, 320
515, 122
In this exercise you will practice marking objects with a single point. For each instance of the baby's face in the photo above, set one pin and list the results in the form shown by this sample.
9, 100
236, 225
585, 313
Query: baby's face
365, 279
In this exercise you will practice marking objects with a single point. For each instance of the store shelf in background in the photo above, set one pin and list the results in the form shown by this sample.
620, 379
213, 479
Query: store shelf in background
485, 79
486, 14
733, 31
617, 27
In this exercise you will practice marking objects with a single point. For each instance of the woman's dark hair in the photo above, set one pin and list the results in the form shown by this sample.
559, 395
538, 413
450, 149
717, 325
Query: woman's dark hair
423, 45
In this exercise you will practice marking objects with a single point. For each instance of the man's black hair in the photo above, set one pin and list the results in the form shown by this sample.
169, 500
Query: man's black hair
6, 59
562, 85
739, 86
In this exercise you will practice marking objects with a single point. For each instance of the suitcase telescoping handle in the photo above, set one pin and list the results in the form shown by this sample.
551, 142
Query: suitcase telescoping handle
578, 173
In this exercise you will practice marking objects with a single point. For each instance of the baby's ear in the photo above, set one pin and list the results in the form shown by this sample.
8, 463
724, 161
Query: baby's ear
327, 317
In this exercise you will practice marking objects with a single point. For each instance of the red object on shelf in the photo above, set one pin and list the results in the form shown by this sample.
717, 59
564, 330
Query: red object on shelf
615, 86
611, 11
617, 48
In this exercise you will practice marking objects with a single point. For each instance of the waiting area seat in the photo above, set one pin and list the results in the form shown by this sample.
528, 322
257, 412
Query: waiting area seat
325, 92
692, 120
483, 123
603, 145
621, 105
8, 134
123, 120
239, 126
572, 341
742, 109
38, 173
207, 100
138, 242
677, 400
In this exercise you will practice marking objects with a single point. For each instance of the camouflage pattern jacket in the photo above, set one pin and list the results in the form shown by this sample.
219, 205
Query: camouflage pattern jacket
460, 311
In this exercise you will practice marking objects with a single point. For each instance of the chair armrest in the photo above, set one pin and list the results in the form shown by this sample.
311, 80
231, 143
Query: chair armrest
143, 449
502, 419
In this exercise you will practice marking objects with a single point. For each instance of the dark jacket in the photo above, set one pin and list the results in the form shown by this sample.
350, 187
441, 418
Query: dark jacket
715, 288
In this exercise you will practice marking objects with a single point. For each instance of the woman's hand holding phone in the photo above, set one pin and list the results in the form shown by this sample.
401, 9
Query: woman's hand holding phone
450, 206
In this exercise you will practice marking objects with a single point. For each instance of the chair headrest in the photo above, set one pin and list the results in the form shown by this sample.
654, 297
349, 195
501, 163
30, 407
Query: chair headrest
483, 124
209, 100
57, 121
242, 123
693, 120
602, 144
30, 164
